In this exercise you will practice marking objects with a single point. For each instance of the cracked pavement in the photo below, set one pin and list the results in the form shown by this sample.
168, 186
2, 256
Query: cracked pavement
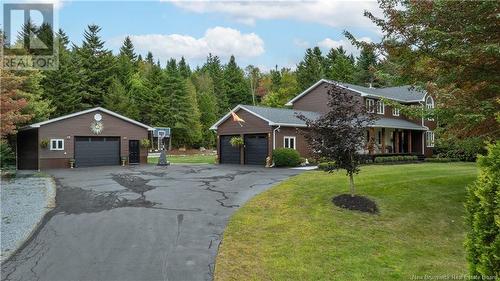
137, 223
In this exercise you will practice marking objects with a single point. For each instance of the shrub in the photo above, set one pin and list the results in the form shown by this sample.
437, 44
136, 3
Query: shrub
44, 143
465, 150
482, 211
7, 157
286, 157
326, 166
145, 143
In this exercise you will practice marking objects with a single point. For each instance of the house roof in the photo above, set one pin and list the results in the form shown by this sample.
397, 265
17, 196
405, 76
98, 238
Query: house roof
397, 124
274, 116
37, 125
404, 94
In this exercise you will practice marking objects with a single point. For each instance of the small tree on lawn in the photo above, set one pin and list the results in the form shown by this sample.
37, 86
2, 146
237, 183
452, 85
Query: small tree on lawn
339, 134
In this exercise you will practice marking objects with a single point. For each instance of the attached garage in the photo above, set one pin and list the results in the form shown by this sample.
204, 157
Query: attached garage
94, 137
256, 150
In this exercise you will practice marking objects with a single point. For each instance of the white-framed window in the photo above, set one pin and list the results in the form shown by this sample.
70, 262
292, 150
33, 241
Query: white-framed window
289, 142
56, 144
370, 105
380, 107
429, 139
429, 104
395, 111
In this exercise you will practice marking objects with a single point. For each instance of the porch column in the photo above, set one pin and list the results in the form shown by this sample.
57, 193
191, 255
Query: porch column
383, 140
371, 140
396, 141
409, 142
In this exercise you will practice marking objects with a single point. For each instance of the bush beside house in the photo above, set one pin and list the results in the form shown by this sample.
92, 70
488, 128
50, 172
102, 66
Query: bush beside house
483, 217
286, 157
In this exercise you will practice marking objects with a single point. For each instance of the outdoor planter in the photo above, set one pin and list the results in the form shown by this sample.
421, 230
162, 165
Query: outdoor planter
72, 163
124, 160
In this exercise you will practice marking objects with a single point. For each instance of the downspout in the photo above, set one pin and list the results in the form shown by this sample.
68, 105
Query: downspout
423, 125
274, 140
274, 136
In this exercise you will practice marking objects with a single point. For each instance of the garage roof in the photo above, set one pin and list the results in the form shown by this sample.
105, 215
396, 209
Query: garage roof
37, 125
274, 116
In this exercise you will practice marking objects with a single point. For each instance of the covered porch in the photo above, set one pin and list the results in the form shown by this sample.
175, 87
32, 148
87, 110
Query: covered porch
395, 137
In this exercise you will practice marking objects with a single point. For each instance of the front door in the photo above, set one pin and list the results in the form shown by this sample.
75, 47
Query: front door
133, 152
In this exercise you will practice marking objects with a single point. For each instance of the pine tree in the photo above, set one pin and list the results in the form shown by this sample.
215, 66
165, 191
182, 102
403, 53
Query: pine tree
127, 49
309, 70
214, 69
237, 88
126, 63
365, 67
184, 69
117, 99
149, 58
207, 105
340, 66
61, 85
96, 67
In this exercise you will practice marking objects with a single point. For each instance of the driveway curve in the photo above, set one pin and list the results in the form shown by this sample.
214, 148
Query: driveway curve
137, 223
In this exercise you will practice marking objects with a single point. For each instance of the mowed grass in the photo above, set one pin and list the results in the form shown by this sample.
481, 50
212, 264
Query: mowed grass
294, 232
188, 159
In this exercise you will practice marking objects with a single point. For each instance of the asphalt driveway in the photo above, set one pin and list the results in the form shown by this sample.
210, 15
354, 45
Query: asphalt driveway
137, 223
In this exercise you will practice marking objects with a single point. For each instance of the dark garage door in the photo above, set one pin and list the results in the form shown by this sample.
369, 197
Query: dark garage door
255, 149
228, 153
97, 151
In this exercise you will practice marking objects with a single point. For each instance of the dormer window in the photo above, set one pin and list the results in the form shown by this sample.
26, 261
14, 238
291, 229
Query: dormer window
370, 106
380, 107
395, 111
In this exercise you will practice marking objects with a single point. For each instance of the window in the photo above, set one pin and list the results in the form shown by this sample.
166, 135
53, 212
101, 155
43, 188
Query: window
395, 111
56, 144
370, 108
289, 142
429, 139
429, 104
380, 107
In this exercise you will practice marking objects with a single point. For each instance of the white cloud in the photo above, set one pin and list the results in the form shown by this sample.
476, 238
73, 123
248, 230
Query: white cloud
300, 43
327, 12
328, 43
220, 41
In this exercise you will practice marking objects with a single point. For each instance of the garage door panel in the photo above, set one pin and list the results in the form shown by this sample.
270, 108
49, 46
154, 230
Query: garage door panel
97, 151
228, 153
256, 149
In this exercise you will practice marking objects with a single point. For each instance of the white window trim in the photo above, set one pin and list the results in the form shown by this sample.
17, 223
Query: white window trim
395, 111
370, 105
56, 141
429, 139
294, 142
383, 107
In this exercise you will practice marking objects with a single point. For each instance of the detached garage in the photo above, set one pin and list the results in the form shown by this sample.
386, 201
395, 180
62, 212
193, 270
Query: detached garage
93, 137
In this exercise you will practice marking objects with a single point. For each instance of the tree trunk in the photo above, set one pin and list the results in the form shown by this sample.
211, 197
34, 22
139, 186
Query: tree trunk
351, 182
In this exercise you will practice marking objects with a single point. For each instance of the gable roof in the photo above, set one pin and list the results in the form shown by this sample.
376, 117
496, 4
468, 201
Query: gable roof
404, 94
37, 125
274, 116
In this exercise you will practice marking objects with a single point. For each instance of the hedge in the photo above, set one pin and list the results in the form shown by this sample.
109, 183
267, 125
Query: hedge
286, 157
483, 217
389, 159
326, 166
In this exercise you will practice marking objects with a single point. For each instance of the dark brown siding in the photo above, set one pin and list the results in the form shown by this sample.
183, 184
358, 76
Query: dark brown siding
252, 125
27, 150
316, 100
301, 144
79, 125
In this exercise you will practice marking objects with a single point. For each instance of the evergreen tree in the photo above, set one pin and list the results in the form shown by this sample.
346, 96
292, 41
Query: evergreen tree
309, 70
61, 85
149, 58
116, 99
340, 66
96, 67
237, 88
214, 69
207, 105
365, 67
184, 69
127, 49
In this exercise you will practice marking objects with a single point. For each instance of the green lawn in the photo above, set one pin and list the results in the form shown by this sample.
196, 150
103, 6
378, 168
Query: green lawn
294, 232
188, 159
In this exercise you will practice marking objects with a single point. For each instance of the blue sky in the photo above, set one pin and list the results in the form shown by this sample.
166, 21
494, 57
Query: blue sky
258, 33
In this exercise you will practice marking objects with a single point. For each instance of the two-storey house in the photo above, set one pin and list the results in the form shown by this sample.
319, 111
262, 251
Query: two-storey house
265, 129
